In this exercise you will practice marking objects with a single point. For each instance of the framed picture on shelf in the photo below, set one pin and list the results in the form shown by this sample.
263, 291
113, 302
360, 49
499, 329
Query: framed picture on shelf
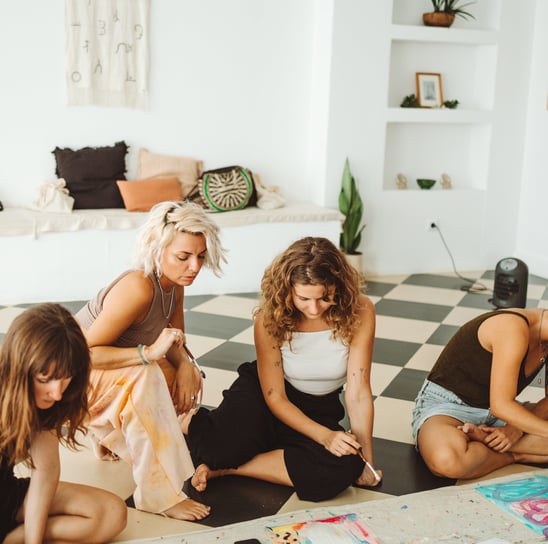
429, 94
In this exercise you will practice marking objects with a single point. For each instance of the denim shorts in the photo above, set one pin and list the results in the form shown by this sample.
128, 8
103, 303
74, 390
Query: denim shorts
435, 400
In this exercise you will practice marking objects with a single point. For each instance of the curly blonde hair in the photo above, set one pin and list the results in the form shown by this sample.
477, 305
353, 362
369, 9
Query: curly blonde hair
310, 261
42, 335
165, 220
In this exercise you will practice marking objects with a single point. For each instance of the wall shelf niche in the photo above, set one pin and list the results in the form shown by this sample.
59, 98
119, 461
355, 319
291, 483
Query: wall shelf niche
426, 142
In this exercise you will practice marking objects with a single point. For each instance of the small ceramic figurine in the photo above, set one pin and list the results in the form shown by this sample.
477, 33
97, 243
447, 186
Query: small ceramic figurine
401, 181
446, 181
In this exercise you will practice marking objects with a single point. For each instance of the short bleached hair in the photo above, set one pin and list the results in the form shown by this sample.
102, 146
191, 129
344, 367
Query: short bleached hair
165, 220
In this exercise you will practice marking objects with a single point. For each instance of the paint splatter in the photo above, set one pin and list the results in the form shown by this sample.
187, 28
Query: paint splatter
344, 529
526, 499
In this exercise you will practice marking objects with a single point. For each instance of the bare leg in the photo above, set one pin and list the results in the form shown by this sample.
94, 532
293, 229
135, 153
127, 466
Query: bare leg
531, 449
79, 513
449, 452
269, 466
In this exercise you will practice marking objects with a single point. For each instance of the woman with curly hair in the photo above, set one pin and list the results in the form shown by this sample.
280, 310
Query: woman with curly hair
279, 421
44, 370
142, 378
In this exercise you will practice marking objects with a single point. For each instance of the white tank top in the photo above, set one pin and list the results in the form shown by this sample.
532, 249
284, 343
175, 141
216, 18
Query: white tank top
315, 363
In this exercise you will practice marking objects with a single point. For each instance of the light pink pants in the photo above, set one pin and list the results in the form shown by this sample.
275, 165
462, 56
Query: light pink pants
132, 415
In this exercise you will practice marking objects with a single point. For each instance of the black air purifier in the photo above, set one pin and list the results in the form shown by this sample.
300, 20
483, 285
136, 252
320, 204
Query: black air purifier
510, 290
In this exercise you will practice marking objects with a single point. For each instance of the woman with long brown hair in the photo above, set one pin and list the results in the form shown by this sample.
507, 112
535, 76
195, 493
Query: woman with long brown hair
44, 370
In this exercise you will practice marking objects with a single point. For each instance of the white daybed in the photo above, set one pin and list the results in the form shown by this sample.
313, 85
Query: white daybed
62, 257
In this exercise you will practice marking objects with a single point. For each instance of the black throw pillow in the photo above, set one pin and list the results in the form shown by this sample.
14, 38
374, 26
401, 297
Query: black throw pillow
91, 173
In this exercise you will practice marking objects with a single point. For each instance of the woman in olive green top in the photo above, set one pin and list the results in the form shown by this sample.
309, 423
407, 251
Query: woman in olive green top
467, 421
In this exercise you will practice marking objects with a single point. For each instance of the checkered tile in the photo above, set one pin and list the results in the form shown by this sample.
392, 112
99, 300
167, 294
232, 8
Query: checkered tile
416, 316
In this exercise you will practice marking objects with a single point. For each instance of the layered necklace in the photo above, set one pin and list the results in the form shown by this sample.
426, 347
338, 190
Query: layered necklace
543, 346
163, 296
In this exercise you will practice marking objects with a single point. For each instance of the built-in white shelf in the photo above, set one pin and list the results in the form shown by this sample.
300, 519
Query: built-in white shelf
443, 35
426, 142
437, 115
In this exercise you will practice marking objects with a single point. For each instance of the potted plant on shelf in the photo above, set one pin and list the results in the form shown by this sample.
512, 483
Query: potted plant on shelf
445, 12
351, 206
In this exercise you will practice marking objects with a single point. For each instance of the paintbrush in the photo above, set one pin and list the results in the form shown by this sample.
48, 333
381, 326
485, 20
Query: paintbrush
194, 361
368, 465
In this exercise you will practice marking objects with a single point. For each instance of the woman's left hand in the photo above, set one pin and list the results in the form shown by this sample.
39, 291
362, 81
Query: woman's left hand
501, 439
186, 387
170, 336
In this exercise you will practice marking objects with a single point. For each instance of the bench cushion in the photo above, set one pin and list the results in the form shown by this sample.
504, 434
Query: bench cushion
24, 221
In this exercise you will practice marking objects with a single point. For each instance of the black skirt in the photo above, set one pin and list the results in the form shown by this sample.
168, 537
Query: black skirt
243, 426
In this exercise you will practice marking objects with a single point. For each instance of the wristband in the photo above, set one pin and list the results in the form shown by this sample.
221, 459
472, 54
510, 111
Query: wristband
142, 355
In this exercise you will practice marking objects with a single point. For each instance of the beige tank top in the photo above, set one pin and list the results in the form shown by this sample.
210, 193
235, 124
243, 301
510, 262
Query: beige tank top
145, 332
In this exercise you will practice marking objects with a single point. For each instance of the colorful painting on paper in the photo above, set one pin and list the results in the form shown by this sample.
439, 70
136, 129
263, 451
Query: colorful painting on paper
526, 499
345, 529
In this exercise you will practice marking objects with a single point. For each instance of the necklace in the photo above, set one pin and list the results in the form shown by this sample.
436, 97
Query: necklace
542, 345
171, 296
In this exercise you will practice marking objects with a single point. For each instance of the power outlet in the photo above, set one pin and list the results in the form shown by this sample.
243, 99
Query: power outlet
432, 225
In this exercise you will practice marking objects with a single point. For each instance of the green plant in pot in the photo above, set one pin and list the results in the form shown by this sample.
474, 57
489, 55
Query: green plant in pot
445, 12
351, 206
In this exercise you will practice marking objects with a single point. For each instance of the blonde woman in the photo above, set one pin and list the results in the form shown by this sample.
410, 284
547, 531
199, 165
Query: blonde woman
44, 370
279, 421
141, 376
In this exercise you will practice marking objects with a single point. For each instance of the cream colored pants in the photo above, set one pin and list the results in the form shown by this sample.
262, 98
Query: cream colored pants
132, 415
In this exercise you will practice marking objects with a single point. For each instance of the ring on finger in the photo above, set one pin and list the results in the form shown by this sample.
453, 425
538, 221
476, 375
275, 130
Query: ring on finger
192, 397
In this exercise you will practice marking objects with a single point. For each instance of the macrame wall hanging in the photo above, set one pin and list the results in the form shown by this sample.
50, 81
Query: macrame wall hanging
107, 52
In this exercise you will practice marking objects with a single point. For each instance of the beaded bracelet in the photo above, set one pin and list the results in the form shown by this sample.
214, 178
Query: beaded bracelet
142, 355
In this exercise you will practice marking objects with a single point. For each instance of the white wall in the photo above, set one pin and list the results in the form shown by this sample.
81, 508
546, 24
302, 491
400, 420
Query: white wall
229, 84
533, 217
513, 83
290, 89
479, 226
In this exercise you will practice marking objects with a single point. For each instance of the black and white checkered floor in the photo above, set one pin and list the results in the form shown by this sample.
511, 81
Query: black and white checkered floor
416, 315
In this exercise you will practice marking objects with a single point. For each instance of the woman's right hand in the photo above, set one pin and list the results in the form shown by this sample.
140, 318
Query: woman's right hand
166, 339
341, 443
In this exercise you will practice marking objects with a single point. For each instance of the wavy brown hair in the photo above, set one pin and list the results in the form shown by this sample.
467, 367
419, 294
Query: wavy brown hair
310, 261
42, 335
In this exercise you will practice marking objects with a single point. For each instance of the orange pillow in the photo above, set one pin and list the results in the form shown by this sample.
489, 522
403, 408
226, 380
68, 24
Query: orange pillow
141, 195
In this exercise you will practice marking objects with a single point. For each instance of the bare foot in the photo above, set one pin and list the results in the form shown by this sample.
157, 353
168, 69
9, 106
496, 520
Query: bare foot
187, 510
473, 432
